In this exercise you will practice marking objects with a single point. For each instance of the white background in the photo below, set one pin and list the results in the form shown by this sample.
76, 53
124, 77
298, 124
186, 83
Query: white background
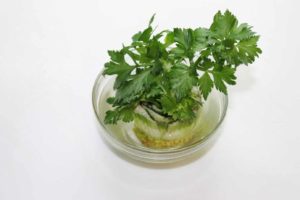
50, 54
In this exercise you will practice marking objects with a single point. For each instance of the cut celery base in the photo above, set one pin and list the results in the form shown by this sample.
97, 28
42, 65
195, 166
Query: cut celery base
161, 135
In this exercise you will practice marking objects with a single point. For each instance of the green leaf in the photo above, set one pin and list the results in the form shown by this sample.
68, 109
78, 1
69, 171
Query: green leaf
182, 80
226, 26
178, 52
241, 32
143, 36
168, 103
151, 20
202, 38
116, 56
111, 117
237, 43
134, 88
169, 39
226, 75
243, 52
205, 84
182, 110
219, 83
118, 67
248, 50
112, 68
184, 38
121, 79
110, 100
223, 24
136, 36
146, 34
154, 50
125, 114
154, 92
166, 65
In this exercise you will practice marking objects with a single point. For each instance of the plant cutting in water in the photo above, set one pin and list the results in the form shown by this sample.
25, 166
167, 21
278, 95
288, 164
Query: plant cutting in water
163, 79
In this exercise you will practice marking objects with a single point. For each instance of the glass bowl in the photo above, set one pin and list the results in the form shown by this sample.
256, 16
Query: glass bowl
122, 139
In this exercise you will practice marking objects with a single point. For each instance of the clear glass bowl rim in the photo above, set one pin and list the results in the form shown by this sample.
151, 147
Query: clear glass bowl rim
125, 146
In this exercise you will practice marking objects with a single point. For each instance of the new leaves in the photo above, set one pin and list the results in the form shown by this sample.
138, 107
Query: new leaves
164, 70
